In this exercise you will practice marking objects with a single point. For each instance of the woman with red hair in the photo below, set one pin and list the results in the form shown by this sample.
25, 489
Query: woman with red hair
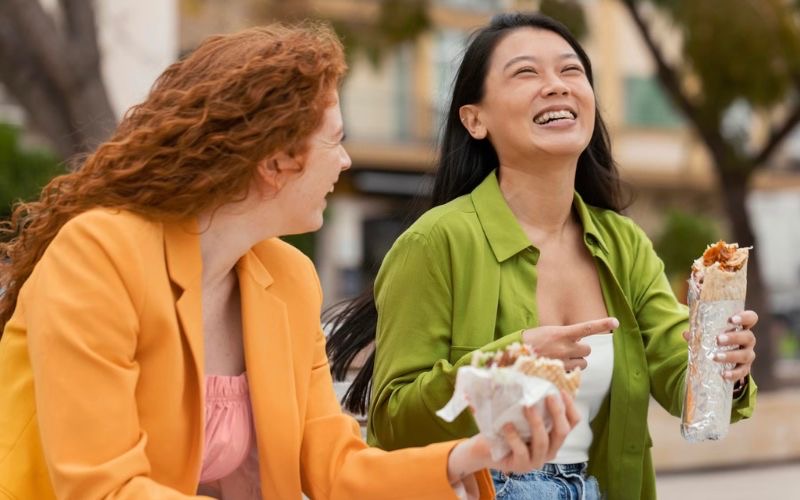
160, 341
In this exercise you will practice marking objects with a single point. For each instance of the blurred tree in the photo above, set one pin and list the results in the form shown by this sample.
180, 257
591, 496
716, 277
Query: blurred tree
682, 240
23, 171
50, 64
738, 70
738, 57
569, 12
378, 26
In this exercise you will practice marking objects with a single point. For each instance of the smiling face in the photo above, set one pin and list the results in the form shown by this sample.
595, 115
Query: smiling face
537, 100
302, 194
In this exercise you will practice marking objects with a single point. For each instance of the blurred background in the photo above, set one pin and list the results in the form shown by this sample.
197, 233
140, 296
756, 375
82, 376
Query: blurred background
702, 98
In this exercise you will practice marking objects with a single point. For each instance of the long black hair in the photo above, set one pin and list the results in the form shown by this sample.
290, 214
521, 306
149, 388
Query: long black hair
462, 164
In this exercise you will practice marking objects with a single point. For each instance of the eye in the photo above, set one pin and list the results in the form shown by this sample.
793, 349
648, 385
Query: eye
573, 68
525, 69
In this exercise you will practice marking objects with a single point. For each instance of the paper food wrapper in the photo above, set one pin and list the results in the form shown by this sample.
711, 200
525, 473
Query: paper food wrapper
717, 290
497, 396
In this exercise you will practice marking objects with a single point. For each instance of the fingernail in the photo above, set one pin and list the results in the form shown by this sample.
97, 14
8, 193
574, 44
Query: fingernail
736, 320
614, 323
721, 356
723, 339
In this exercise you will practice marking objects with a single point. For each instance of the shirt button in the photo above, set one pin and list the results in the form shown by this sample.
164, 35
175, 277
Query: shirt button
637, 373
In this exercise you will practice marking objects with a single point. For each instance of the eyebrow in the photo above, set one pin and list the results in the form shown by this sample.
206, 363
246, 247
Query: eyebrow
513, 60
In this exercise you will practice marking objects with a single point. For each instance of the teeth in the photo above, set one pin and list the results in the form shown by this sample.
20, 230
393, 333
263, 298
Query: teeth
553, 115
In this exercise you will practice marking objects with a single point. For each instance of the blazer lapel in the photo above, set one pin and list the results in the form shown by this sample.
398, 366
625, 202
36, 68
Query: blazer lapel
269, 361
185, 266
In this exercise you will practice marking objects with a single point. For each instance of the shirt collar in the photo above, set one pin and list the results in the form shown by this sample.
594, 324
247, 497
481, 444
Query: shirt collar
591, 234
502, 230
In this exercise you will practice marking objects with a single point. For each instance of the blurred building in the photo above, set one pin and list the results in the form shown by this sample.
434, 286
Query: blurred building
393, 112
394, 108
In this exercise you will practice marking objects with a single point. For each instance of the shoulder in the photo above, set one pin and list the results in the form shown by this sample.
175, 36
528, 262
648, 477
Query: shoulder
111, 226
275, 253
454, 221
288, 266
617, 230
100, 250
110, 235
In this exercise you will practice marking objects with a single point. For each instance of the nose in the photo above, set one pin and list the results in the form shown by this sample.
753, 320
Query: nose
554, 85
346, 160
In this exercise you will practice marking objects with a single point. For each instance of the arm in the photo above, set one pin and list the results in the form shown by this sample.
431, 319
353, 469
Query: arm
662, 320
82, 322
413, 375
335, 462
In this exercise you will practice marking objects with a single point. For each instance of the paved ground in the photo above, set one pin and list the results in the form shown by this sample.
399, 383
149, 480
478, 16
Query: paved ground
777, 482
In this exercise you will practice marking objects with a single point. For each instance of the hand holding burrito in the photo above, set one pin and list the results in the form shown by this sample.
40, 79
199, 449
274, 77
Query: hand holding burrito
720, 351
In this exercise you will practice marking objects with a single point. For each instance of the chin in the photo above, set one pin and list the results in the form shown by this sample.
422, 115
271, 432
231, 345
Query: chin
314, 224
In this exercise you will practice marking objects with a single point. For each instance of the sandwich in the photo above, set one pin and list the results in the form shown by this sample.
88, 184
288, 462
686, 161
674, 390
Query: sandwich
521, 358
498, 386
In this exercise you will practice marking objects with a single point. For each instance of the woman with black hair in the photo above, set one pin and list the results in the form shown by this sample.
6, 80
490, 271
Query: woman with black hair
526, 243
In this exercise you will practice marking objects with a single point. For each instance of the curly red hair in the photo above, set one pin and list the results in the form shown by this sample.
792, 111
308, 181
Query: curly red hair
194, 143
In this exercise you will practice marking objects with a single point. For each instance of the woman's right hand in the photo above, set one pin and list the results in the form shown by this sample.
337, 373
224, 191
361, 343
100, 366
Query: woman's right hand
474, 454
563, 342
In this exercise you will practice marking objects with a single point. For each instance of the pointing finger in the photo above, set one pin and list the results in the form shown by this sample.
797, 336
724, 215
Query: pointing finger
580, 330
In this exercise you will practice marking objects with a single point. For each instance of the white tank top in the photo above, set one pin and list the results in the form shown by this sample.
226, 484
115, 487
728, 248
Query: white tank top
595, 383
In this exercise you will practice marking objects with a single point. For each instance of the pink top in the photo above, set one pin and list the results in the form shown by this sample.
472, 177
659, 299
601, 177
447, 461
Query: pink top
230, 458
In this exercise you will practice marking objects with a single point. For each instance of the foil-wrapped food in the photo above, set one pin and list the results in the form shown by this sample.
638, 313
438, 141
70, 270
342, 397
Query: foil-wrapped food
717, 289
499, 385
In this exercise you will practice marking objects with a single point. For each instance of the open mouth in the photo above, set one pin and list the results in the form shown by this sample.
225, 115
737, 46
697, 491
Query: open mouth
552, 116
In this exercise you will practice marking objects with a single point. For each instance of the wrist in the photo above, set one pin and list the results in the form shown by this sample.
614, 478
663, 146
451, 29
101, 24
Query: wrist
465, 458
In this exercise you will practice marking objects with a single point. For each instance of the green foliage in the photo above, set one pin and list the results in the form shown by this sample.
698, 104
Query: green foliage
569, 12
683, 239
789, 346
738, 49
398, 21
303, 242
23, 172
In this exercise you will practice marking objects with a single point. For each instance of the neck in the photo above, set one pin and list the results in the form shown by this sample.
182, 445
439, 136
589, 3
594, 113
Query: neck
226, 235
541, 198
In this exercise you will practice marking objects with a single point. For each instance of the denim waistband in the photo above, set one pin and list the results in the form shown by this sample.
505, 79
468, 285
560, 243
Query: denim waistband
553, 469
578, 468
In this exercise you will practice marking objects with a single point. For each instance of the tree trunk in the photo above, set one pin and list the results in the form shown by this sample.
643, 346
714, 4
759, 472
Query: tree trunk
53, 71
734, 191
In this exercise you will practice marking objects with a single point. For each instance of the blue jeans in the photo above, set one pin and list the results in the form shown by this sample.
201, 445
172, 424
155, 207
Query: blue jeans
551, 482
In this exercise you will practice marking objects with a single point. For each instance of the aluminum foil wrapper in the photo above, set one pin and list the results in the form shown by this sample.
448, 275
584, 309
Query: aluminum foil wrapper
498, 395
708, 396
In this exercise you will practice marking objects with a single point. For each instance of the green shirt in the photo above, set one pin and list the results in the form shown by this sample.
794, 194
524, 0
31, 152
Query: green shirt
463, 277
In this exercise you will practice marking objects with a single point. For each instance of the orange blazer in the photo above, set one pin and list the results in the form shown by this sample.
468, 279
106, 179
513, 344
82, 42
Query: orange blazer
101, 376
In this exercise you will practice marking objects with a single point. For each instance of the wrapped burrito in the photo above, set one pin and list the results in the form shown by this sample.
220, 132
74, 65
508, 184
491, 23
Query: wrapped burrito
717, 289
499, 385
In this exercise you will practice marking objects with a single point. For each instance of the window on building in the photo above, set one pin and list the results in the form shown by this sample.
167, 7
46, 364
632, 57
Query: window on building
479, 5
448, 50
646, 105
403, 85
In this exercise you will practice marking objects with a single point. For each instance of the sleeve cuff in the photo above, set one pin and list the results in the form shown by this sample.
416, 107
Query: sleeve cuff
744, 403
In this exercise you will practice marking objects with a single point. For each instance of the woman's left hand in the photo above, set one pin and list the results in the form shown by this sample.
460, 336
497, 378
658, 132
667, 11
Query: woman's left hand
744, 342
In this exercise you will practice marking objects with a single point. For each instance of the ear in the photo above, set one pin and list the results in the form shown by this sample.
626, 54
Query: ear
273, 172
470, 118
